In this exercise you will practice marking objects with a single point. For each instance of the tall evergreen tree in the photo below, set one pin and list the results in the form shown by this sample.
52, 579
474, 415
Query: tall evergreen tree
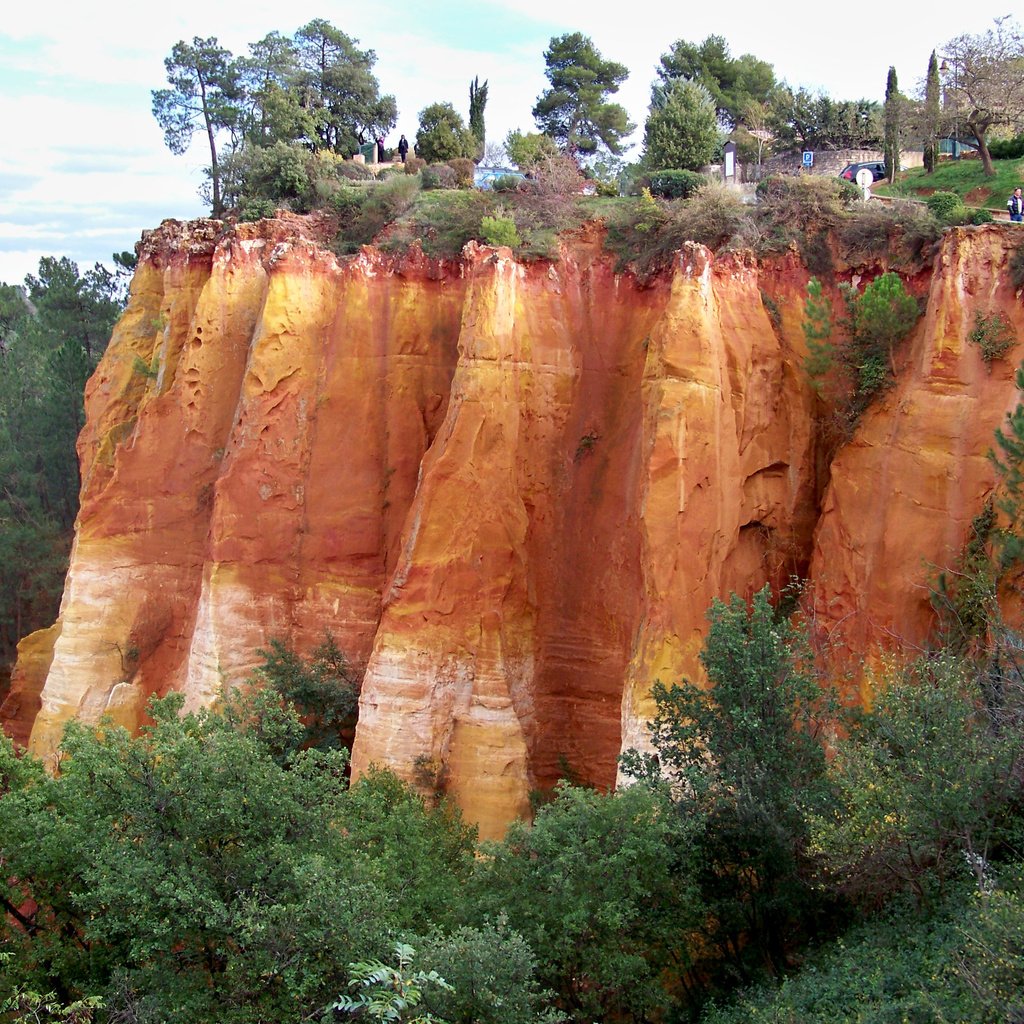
272, 108
893, 116
203, 97
682, 127
337, 87
734, 82
52, 334
930, 125
575, 111
477, 103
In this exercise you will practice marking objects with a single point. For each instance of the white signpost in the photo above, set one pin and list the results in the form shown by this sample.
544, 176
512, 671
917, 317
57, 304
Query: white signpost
865, 179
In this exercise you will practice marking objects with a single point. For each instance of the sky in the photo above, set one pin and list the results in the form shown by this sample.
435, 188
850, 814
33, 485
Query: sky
84, 169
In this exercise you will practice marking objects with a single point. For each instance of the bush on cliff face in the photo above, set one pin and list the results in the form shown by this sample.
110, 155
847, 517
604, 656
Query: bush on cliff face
365, 213
789, 208
647, 233
852, 360
900, 233
323, 689
441, 222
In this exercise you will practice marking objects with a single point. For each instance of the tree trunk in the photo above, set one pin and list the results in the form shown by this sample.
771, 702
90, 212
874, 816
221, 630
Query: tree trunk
986, 158
218, 205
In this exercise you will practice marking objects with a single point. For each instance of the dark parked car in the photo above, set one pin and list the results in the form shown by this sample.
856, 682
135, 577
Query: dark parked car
876, 167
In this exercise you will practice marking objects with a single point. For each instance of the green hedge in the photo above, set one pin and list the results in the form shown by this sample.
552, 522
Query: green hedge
676, 184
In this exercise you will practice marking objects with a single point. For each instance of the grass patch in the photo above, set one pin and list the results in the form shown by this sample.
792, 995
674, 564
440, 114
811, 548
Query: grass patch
965, 178
443, 221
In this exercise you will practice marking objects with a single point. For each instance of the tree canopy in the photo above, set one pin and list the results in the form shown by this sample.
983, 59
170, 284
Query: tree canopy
335, 83
575, 111
315, 90
202, 98
443, 134
984, 87
682, 127
732, 82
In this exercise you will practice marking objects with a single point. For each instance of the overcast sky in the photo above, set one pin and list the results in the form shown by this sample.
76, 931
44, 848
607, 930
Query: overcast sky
83, 167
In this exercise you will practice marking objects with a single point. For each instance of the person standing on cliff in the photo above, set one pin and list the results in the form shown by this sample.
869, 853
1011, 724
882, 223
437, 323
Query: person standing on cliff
380, 151
403, 148
1015, 204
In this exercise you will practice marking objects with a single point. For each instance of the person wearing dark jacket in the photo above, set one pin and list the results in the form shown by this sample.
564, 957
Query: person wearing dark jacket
1015, 204
403, 148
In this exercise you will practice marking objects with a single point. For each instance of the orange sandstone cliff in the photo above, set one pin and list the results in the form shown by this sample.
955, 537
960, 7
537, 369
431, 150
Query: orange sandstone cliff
510, 491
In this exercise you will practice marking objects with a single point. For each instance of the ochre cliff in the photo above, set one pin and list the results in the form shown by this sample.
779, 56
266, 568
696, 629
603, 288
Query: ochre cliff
510, 491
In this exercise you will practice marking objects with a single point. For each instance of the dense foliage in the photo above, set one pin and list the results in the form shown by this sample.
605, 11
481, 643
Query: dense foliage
575, 110
52, 334
681, 130
443, 134
851, 358
734, 83
315, 91
219, 866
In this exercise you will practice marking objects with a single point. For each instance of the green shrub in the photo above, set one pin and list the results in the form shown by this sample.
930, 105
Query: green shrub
880, 317
1007, 149
994, 335
346, 200
676, 184
947, 206
438, 176
500, 230
441, 221
902, 232
1016, 267
850, 191
355, 171
463, 168
258, 179
714, 216
789, 207
365, 216
981, 217
506, 183
256, 208
925, 782
492, 973
896, 969
647, 234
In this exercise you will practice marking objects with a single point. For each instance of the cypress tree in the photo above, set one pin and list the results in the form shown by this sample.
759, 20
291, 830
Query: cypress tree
477, 102
892, 126
931, 115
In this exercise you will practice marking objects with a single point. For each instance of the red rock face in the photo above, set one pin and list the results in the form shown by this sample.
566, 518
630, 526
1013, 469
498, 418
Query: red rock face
904, 491
511, 491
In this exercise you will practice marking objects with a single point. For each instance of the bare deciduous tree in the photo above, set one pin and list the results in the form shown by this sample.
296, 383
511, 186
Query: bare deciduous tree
985, 82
